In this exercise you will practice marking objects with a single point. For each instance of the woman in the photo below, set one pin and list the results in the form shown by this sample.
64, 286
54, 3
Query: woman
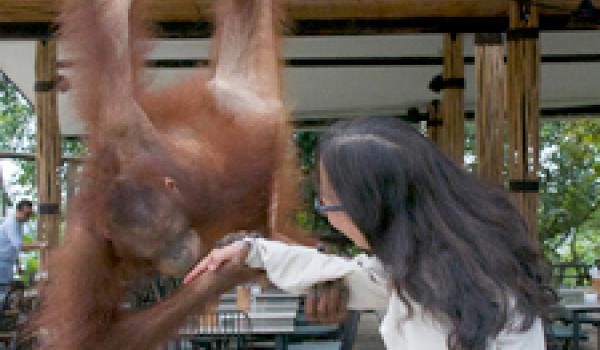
453, 262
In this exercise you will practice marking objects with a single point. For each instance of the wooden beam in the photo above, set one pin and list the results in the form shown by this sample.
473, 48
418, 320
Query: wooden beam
202, 29
302, 9
490, 80
452, 140
48, 146
342, 62
523, 68
199, 10
32, 157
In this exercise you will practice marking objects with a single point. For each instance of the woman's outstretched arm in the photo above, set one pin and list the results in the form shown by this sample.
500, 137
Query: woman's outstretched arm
296, 269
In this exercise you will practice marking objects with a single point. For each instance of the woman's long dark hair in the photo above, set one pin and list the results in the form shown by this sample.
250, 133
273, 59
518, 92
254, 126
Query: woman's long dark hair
453, 245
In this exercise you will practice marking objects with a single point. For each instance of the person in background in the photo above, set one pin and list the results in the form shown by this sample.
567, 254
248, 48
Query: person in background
11, 241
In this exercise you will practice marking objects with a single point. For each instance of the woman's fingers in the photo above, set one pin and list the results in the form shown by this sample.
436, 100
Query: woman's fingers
214, 260
197, 270
231, 252
200, 268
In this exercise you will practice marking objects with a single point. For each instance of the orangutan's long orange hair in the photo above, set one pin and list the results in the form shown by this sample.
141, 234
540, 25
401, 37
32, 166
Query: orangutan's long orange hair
221, 136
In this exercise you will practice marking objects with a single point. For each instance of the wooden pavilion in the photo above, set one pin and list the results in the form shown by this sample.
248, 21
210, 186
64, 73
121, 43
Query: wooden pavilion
506, 63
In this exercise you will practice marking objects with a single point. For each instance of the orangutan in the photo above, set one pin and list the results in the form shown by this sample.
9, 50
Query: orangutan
169, 172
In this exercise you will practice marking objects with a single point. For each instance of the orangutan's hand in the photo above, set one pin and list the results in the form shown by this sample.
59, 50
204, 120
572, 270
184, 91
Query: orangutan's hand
326, 302
234, 237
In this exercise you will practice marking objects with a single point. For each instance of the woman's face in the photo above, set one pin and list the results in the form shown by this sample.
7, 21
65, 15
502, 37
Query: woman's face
339, 218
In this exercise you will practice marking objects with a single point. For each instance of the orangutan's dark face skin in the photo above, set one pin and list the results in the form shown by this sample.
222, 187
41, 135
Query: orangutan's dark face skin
156, 229
181, 255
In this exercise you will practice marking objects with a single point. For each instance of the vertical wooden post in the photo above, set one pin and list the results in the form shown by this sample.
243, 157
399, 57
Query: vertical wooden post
489, 118
453, 114
434, 123
523, 67
48, 146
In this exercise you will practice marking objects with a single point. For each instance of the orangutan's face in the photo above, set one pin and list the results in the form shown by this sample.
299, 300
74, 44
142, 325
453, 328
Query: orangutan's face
150, 224
178, 257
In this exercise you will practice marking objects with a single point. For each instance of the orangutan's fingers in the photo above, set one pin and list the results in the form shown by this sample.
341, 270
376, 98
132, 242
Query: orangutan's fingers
337, 306
322, 305
326, 303
343, 303
310, 304
333, 295
231, 238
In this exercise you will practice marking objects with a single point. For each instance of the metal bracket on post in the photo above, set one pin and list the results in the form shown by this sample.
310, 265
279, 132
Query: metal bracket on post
515, 34
48, 209
522, 186
44, 86
438, 83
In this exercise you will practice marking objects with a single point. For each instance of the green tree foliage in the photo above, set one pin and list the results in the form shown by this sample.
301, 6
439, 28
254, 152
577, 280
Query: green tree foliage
16, 114
568, 216
570, 188
307, 217
17, 132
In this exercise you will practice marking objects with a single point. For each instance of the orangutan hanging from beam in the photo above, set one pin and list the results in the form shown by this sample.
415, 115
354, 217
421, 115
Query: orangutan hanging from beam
169, 173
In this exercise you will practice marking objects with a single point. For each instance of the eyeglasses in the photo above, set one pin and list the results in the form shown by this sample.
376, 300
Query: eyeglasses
322, 209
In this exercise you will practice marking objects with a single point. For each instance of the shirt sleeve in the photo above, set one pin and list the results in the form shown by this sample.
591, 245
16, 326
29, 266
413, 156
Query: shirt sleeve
295, 269
13, 232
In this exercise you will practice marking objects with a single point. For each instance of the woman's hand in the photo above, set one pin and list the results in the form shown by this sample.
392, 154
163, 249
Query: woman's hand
235, 253
211, 284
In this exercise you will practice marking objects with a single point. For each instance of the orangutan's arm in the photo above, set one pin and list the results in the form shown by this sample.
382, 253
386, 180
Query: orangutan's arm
246, 67
144, 329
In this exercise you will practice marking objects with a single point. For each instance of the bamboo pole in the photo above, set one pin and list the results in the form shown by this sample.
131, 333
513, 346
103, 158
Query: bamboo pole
48, 146
523, 67
453, 129
490, 79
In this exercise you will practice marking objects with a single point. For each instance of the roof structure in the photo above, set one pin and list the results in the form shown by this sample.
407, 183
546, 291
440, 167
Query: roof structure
195, 10
344, 57
189, 18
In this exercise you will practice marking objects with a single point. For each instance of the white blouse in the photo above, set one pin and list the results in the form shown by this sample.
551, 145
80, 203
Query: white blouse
295, 269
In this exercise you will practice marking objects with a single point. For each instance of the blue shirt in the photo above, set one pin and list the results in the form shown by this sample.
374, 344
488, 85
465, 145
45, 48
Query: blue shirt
11, 236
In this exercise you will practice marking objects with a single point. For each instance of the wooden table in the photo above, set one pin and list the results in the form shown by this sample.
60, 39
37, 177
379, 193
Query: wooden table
572, 300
